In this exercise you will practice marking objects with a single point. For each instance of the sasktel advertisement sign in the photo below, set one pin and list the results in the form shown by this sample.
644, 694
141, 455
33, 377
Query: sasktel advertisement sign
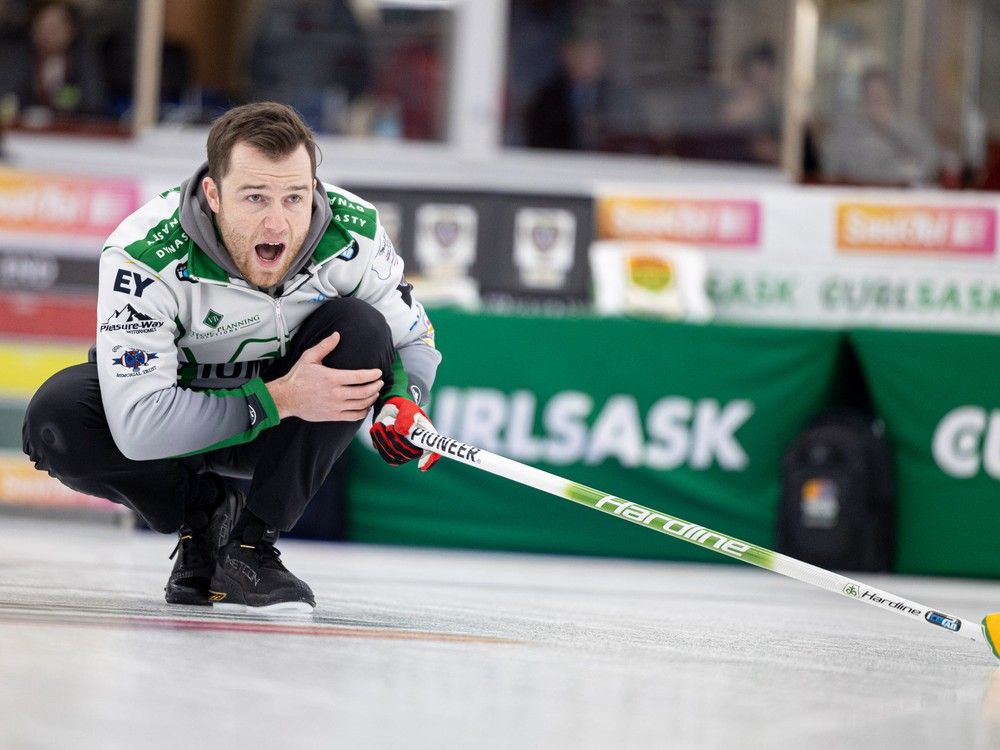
949, 230
705, 222
39, 204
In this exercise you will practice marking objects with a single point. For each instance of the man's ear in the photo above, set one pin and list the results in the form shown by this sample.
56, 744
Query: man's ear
211, 193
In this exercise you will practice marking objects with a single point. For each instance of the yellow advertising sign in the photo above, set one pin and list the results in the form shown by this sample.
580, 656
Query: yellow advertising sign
24, 367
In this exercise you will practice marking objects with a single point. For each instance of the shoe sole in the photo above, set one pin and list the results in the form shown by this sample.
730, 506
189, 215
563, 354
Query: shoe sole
189, 601
278, 608
179, 595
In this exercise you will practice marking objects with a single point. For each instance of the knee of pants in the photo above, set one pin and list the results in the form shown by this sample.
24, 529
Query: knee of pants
55, 421
365, 338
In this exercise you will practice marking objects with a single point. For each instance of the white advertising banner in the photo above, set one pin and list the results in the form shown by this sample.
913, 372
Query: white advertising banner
828, 257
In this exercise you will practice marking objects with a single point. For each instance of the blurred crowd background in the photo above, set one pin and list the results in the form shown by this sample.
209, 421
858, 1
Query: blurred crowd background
888, 92
796, 196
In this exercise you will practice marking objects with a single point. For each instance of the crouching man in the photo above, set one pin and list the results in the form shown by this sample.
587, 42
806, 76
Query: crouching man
247, 322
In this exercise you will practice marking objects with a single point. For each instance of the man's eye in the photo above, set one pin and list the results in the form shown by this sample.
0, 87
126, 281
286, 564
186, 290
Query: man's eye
294, 198
255, 197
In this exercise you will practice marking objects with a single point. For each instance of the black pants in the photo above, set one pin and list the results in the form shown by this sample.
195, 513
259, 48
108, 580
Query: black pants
66, 434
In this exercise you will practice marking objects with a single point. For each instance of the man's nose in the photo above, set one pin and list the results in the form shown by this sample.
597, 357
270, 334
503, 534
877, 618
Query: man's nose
275, 217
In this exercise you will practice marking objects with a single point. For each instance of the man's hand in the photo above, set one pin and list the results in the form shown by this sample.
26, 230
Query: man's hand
390, 428
317, 393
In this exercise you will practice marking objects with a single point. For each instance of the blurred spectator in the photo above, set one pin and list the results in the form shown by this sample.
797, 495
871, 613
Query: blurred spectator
878, 145
580, 108
13, 50
52, 73
752, 113
313, 55
409, 96
536, 29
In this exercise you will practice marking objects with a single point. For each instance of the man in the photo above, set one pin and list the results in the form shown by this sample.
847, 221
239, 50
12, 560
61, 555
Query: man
247, 321
580, 107
879, 144
751, 115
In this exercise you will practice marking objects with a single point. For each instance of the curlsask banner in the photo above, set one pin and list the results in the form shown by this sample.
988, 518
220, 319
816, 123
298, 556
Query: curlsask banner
691, 420
937, 394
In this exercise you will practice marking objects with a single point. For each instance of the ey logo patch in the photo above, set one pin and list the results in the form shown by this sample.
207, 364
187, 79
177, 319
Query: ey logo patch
212, 319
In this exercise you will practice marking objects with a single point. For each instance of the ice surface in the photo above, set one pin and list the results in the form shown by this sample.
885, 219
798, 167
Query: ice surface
443, 649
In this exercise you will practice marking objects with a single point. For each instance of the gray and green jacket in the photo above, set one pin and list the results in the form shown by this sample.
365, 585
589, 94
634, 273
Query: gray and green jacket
182, 338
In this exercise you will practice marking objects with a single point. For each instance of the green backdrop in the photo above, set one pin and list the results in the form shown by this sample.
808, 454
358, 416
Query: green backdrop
940, 388
691, 420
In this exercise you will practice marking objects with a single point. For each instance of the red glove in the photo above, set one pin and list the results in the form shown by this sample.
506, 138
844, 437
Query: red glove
390, 428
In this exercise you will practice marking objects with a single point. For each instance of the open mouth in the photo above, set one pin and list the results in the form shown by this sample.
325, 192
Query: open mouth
268, 253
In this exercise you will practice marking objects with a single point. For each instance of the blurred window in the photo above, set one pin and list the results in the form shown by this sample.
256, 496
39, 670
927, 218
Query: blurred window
58, 67
691, 78
888, 102
983, 126
350, 67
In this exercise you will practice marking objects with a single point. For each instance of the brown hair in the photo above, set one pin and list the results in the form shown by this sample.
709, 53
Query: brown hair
272, 128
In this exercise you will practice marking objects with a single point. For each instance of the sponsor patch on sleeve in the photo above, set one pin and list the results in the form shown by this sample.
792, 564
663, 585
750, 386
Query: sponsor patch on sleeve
132, 362
130, 320
256, 409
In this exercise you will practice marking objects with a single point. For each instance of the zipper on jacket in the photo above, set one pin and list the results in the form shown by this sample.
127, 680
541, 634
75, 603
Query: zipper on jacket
280, 320
278, 317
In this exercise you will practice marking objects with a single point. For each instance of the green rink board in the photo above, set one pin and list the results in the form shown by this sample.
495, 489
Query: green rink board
11, 419
690, 420
940, 398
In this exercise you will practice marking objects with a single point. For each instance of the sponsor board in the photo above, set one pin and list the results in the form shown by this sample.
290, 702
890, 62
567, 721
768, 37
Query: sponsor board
831, 294
706, 222
650, 273
28, 271
446, 239
967, 441
24, 367
23, 485
61, 204
887, 227
927, 296
937, 394
735, 292
56, 316
544, 242
649, 409
24, 268
653, 278
577, 429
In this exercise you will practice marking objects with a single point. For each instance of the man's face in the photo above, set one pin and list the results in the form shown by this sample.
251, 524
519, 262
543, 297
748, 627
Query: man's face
53, 30
263, 207
877, 102
584, 60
